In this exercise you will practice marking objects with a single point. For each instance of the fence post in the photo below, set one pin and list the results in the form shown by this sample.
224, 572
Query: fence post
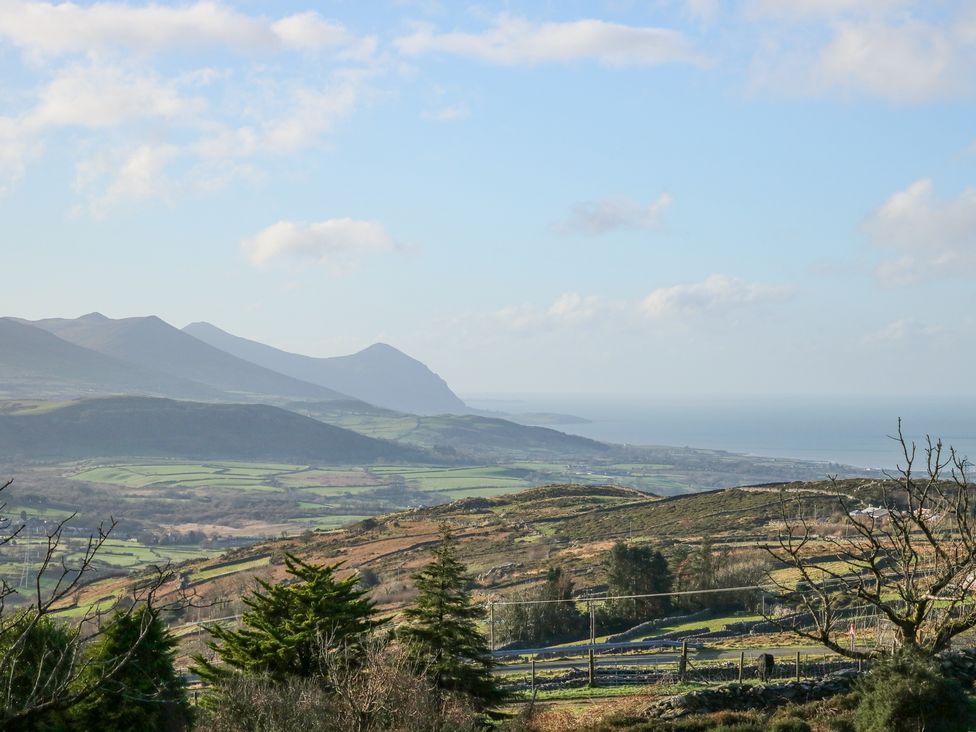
533, 674
592, 622
683, 662
797, 665
592, 681
491, 625
742, 664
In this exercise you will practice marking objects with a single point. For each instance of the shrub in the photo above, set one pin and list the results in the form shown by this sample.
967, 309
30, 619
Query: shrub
909, 692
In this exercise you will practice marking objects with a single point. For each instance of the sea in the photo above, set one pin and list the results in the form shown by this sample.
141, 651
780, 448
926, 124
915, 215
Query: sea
855, 431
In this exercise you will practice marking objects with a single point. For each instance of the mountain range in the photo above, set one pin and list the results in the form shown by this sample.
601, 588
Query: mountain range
95, 356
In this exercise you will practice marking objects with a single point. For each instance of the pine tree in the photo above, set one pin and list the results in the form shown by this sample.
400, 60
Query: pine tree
146, 693
289, 626
441, 628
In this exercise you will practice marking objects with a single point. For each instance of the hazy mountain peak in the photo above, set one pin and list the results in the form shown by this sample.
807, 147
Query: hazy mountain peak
94, 316
150, 342
379, 374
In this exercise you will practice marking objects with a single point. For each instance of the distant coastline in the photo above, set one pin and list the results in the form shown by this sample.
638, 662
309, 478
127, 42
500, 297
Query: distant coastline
847, 430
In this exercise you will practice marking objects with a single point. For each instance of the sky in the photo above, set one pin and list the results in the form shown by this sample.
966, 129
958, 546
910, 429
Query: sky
661, 197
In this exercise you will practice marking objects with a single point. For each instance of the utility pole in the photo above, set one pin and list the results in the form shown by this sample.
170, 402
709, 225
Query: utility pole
491, 625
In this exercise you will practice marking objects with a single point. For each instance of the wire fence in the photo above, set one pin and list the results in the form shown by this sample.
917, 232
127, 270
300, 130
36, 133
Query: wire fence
540, 648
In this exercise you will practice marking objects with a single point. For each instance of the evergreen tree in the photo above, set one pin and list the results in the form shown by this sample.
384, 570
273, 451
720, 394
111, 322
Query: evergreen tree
289, 626
441, 628
146, 693
638, 570
43, 661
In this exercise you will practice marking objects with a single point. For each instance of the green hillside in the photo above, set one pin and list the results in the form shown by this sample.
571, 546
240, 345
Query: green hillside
474, 437
144, 427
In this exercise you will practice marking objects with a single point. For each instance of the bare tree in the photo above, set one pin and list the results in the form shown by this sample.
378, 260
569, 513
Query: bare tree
911, 560
44, 671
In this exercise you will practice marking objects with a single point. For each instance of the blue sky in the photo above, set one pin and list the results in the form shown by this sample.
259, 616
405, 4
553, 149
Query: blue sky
658, 197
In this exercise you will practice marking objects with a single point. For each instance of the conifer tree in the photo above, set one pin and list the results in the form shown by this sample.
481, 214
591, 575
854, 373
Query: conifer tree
441, 628
290, 625
146, 693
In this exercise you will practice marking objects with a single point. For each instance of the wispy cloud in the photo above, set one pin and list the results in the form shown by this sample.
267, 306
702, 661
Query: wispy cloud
711, 299
934, 238
905, 330
450, 113
605, 215
515, 41
885, 49
717, 293
148, 127
62, 28
337, 244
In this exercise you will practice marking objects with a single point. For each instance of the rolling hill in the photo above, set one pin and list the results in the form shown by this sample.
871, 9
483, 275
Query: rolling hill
380, 374
509, 542
151, 343
37, 364
145, 427
471, 436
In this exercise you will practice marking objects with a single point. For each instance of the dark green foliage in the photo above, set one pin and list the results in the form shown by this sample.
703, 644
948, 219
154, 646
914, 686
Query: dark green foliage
705, 568
145, 693
41, 662
908, 693
441, 628
288, 626
638, 570
790, 724
551, 622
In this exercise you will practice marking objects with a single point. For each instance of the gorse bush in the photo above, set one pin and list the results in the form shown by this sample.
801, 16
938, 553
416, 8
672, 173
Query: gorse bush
909, 693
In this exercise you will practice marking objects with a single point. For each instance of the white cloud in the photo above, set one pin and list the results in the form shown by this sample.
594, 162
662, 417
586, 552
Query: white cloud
934, 238
337, 244
138, 175
568, 310
907, 62
713, 297
60, 28
514, 41
571, 306
716, 293
311, 114
100, 96
600, 217
887, 49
